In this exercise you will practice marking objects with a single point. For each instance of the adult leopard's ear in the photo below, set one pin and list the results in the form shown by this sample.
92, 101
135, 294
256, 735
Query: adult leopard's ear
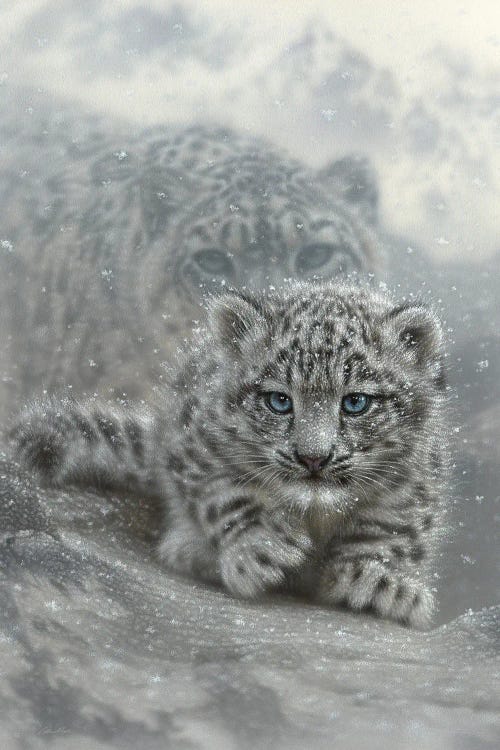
354, 179
235, 318
418, 331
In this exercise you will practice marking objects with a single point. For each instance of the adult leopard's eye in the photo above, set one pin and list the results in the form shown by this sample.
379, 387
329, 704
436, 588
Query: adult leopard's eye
312, 257
278, 402
214, 262
356, 403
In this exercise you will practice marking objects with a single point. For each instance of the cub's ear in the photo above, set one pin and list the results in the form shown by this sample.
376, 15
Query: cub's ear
418, 330
354, 179
234, 317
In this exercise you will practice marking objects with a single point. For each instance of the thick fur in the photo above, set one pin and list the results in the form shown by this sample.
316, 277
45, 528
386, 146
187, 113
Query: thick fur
250, 504
111, 242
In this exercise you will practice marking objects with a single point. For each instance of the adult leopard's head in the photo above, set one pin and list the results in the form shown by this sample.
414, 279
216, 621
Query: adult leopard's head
234, 212
118, 238
189, 213
265, 221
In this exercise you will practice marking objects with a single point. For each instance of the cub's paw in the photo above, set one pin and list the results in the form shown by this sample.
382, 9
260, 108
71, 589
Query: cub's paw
39, 440
370, 586
259, 559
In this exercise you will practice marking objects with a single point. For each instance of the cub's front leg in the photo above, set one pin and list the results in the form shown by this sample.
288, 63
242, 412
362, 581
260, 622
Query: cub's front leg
253, 551
378, 575
257, 554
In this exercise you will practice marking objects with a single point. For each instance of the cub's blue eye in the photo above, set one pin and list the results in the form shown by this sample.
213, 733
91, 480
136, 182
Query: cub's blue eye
278, 402
356, 403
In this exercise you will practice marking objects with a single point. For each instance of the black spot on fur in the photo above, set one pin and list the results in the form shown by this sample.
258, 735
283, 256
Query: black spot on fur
134, 432
263, 559
45, 455
404, 529
85, 428
204, 465
236, 504
417, 552
285, 325
398, 552
428, 521
357, 573
362, 537
175, 463
243, 525
436, 461
211, 513
400, 592
186, 414
382, 584
416, 600
422, 494
109, 430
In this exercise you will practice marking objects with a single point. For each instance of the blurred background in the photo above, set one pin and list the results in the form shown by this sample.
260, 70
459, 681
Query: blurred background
414, 87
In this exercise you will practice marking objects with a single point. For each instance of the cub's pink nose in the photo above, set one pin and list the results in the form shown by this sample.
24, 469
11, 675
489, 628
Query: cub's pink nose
313, 463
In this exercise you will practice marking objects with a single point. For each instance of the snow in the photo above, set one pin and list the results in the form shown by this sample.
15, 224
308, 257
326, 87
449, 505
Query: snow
100, 647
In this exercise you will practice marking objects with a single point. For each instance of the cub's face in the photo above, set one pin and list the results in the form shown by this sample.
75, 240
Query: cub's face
333, 390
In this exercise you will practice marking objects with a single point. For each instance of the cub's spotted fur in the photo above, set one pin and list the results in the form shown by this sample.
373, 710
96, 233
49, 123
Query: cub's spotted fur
301, 446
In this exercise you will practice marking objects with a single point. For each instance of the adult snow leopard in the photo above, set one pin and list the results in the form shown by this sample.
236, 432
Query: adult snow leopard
301, 446
108, 243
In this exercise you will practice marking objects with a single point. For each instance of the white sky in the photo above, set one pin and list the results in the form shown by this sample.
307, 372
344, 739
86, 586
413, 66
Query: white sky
385, 29
463, 171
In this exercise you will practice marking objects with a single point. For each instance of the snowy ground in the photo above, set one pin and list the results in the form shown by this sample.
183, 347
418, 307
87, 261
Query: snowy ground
99, 648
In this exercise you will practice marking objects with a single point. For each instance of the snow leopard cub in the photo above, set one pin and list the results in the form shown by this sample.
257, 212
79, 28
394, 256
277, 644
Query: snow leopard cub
301, 447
